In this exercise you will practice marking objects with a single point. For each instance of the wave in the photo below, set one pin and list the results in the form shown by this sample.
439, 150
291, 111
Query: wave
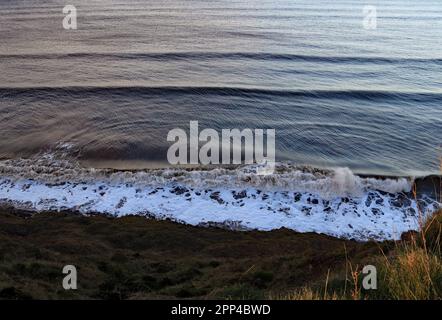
201, 56
331, 201
224, 91
60, 165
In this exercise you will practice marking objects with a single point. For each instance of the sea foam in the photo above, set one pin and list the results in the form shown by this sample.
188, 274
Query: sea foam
335, 202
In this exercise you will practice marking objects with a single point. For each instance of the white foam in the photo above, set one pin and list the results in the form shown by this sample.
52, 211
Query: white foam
334, 202
327, 183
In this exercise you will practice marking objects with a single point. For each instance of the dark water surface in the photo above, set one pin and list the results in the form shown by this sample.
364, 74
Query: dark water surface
337, 94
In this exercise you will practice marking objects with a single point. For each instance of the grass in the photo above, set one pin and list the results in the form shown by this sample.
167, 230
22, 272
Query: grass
415, 272
412, 270
138, 258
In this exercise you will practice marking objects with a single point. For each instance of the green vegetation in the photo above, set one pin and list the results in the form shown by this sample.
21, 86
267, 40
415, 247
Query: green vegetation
411, 271
138, 258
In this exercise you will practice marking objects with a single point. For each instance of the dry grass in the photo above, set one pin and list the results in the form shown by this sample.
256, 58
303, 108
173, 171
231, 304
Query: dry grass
416, 271
137, 258
414, 275
306, 293
412, 271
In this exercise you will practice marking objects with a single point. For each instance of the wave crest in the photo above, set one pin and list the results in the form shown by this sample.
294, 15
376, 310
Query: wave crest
60, 166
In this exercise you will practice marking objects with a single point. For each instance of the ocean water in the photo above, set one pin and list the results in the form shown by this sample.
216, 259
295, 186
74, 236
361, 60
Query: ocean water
337, 94
78, 106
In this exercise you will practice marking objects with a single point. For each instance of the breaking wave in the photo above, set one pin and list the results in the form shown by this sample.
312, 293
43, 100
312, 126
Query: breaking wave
332, 201
60, 166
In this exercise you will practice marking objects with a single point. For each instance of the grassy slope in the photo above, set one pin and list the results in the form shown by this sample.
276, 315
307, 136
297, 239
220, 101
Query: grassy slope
411, 270
134, 257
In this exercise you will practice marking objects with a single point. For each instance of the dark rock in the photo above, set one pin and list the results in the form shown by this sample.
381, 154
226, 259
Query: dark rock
285, 210
385, 193
179, 190
121, 203
239, 195
215, 196
411, 212
400, 201
370, 198
379, 201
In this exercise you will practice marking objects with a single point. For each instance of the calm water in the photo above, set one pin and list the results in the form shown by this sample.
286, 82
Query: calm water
337, 94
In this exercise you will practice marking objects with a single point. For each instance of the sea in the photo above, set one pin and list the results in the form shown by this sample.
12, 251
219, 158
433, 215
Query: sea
357, 110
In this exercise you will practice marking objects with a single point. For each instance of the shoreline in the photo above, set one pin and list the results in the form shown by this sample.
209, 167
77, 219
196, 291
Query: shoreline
335, 202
